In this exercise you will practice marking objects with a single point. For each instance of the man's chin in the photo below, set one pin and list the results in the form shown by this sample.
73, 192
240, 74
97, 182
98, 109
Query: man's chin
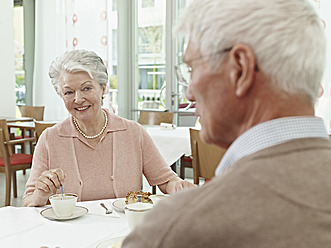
204, 135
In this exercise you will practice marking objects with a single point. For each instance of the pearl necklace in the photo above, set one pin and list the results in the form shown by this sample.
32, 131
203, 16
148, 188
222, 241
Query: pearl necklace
94, 136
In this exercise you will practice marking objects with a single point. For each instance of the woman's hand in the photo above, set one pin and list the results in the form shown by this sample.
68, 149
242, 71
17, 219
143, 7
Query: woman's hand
174, 185
48, 183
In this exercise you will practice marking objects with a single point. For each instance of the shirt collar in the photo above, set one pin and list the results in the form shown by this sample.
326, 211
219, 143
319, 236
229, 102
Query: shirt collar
272, 133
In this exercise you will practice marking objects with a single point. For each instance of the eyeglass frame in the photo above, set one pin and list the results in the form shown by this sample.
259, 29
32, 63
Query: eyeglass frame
179, 73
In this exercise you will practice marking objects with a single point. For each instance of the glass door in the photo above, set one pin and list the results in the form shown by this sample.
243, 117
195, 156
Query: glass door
151, 53
157, 52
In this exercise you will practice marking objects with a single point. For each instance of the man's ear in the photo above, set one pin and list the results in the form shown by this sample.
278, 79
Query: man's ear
242, 72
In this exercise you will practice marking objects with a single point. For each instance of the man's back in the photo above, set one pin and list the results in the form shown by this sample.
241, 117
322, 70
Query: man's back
275, 198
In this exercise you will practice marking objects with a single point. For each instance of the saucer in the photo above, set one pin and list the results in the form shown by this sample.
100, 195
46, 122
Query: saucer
119, 204
107, 243
78, 211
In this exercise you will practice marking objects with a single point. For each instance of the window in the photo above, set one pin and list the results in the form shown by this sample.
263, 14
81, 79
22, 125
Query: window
114, 5
19, 54
147, 3
151, 53
150, 39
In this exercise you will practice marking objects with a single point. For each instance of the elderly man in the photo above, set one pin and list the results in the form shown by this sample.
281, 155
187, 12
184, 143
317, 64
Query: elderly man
255, 69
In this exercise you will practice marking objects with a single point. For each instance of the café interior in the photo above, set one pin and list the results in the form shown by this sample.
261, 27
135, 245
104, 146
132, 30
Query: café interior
136, 42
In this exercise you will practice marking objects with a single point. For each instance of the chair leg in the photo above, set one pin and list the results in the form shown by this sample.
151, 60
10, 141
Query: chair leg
14, 184
153, 190
24, 172
8, 188
195, 162
182, 168
173, 167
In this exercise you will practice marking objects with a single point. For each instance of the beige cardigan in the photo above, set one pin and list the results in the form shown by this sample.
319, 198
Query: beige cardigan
279, 197
109, 170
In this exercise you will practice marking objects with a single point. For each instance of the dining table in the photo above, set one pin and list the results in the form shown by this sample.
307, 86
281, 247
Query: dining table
28, 125
16, 119
172, 143
32, 227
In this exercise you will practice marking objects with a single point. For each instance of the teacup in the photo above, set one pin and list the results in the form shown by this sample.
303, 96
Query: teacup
156, 198
63, 205
135, 213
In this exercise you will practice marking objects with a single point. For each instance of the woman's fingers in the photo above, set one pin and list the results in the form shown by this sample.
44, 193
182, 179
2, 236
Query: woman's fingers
187, 184
177, 184
46, 184
50, 180
39, 184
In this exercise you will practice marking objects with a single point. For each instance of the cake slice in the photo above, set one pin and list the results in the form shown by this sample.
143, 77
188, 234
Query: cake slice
131, 197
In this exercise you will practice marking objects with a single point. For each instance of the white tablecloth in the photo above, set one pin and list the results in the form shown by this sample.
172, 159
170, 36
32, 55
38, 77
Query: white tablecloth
172, 143
25, 227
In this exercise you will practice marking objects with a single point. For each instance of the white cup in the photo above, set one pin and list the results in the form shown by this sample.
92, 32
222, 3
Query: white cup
156, 198
135, 213
63, 206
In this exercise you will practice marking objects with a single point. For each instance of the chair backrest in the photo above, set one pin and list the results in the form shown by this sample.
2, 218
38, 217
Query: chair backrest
155, 117
40, 126
35, 112
4, 137
205, 157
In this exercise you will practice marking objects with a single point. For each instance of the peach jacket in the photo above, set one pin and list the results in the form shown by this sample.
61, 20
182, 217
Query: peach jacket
110, 169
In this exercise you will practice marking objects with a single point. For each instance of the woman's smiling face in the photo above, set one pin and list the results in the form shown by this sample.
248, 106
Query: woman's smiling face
81, 95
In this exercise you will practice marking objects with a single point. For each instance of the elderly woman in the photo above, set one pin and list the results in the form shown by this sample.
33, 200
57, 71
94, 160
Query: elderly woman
93, 153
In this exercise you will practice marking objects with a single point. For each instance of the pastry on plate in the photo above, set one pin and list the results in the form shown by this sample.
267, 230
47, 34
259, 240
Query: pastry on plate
131, 197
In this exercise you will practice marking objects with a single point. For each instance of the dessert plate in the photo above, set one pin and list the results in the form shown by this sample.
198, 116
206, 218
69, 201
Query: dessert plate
49, 213
119, 204
111, 242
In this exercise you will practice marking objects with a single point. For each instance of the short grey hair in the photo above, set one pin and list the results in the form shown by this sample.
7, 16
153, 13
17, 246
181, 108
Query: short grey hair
286, 36
78, 61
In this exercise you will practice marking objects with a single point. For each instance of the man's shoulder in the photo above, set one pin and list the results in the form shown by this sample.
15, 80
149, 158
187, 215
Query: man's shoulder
296, 145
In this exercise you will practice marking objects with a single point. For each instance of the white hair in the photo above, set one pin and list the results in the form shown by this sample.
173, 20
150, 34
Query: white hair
286, 36
78, 61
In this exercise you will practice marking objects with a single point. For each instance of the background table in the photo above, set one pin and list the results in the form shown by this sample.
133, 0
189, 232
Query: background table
172, 143
25, 126
29, 125
25, 227
15, 119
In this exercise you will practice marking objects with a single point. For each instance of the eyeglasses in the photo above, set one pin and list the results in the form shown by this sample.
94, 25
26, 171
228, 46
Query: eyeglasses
183, 71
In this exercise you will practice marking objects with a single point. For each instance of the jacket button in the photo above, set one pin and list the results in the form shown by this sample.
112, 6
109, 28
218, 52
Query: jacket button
112, 178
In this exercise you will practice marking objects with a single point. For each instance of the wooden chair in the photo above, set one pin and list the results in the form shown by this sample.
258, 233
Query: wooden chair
155, 117
36, 112
11, 162
185, 162
205, 157
40, 126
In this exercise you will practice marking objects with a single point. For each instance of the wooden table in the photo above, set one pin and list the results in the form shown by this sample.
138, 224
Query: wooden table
16, 119
28, 125
25, 126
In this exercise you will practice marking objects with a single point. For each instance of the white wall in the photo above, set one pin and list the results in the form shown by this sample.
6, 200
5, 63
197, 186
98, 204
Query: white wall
7, 76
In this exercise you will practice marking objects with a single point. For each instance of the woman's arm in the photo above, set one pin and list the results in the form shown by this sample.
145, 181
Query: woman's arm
42, 181
156, 167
